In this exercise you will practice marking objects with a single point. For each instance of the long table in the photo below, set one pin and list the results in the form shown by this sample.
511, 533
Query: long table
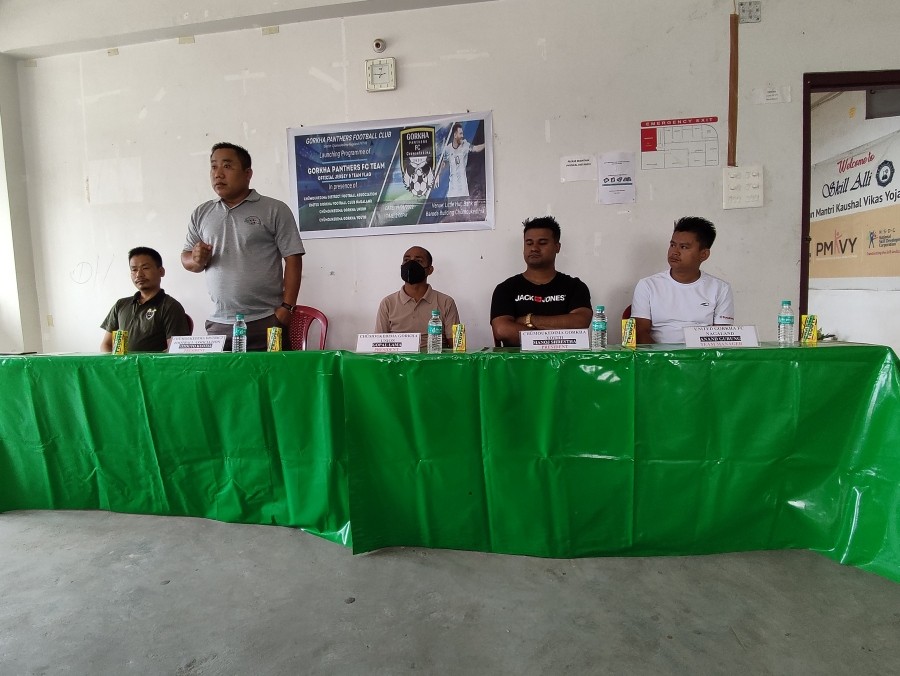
624, 452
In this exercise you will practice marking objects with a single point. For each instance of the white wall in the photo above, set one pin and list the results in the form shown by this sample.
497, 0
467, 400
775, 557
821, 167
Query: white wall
847, 306
562, 77
10, 317
19, 329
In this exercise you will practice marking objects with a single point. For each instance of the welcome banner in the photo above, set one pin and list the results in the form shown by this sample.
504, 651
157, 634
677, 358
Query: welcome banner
855, 212
420, 174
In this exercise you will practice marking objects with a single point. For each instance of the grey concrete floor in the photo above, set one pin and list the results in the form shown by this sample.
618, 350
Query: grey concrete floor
99, 593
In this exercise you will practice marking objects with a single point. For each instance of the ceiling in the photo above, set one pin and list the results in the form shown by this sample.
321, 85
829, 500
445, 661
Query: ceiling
31, 29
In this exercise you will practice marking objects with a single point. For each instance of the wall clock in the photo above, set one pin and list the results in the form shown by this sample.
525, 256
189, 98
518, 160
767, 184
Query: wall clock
381, 74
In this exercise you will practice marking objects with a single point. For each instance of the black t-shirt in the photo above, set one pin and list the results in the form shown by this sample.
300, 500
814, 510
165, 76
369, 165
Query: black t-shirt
516, 296
149, 325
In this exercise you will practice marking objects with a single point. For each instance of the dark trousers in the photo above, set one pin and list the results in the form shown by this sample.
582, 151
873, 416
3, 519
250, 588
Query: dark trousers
256, 333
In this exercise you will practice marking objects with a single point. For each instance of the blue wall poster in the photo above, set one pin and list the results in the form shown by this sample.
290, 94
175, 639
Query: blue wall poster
420, 174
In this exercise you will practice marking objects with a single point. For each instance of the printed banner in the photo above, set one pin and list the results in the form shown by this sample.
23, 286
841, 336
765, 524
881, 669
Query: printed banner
855, 212
424, 174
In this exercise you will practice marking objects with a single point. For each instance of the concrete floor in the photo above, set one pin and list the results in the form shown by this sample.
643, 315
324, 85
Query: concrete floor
98, 593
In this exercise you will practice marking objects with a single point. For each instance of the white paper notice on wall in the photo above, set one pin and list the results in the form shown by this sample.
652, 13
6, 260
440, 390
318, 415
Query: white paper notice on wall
616, 183
772, 94
577, 168
680, 142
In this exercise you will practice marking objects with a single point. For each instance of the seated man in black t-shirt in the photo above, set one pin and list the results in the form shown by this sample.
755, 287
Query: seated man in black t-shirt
150, 316
540, 297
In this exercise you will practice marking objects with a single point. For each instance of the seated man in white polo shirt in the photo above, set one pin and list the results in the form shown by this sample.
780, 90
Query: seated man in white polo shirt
683, 295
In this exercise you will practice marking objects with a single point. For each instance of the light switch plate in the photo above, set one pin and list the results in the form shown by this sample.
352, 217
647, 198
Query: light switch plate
742, 187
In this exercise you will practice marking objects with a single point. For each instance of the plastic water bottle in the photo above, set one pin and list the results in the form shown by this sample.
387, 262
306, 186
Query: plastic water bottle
598, 329
786, 324
435, 333
239, 335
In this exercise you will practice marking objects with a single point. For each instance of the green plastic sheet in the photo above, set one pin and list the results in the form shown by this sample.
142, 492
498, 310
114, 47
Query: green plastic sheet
653, 451
254, 438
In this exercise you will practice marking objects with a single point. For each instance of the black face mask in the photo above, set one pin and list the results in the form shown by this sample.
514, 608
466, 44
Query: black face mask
412, 273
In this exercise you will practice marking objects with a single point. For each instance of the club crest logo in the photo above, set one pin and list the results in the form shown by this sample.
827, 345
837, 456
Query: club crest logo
151, 312
253, 220
885, 173
417, 159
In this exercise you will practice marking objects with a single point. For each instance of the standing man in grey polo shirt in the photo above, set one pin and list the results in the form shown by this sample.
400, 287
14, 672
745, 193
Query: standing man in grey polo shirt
240, 241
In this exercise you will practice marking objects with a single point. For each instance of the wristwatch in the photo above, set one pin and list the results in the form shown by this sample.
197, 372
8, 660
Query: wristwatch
288, 307
528, 321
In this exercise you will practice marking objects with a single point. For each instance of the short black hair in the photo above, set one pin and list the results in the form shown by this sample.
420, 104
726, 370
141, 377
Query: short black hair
702, 228
427, 252
146, 251
456, 125
242, 154
547, 222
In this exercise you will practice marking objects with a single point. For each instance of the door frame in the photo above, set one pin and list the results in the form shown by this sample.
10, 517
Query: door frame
828, 82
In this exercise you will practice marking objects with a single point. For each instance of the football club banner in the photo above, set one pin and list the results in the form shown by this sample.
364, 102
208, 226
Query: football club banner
854, 217
423, 174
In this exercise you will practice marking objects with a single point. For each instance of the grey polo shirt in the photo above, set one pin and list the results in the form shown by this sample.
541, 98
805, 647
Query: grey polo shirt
245, 273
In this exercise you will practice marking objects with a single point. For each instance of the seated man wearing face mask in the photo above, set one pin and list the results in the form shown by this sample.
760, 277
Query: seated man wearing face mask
409, 309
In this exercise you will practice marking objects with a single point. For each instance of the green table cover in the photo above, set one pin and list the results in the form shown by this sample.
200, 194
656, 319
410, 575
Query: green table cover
253, 438
653, 451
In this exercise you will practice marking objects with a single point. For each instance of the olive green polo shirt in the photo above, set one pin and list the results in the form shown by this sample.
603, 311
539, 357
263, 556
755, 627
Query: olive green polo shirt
150, 324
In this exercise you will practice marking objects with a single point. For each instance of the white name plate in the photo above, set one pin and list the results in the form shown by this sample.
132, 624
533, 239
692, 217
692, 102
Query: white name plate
720, 336
194, 344
388, 342
559, 339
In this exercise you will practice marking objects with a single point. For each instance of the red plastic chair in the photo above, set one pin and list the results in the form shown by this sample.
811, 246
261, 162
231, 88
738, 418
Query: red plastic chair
301, 320
190, 325
626, 314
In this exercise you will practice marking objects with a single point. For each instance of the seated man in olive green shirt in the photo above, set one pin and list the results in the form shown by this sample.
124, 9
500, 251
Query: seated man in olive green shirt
150, 316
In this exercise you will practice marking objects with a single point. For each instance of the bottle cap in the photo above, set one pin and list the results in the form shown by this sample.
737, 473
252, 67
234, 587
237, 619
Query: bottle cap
785, 302
601, 308
435, 313
239, 317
